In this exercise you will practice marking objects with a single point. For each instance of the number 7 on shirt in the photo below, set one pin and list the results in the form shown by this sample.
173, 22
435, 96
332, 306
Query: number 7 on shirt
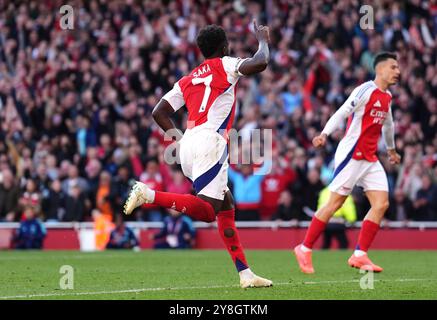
207, 82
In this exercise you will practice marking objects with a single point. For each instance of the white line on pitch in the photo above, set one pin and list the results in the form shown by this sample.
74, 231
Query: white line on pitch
24, 296
376, 280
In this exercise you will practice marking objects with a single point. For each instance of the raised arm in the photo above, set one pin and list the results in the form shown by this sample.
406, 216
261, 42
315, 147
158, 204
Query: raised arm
260, 59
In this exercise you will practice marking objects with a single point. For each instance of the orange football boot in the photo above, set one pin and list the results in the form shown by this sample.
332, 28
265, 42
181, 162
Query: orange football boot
304, 259
363, 263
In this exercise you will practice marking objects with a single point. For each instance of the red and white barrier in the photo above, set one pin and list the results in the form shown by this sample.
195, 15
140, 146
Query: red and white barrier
254, 235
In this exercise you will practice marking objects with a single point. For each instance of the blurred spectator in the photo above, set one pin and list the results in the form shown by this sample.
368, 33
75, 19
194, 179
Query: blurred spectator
247, 190
291, 98
401, 208
103, 202
308, 192
53, 203
52, 167
42, 179
74, 180
273, 185
9, 194
120, 189
93, 169
154, 180
122, 237
410, 179
75, 208
30, 197
425, 205
103, 227
287, 210
177, 232
135, 159
85, 136
31, 233
179, 183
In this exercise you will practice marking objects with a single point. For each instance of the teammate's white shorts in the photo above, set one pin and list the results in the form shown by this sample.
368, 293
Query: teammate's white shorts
204, 160
369, 175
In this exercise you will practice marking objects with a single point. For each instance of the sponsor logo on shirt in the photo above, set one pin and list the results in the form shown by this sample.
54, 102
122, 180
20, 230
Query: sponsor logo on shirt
378, 116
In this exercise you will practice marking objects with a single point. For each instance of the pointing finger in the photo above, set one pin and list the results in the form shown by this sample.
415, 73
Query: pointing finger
255, 26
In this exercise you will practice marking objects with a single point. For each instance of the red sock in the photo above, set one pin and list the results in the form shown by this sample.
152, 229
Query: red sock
188, 204
367, 234
314, 231
229, 234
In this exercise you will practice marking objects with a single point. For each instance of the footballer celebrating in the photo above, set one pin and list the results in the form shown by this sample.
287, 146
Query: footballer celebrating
209, 93
368, 110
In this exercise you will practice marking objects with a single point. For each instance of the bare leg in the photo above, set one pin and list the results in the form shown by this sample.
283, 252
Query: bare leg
334, 203
378, 205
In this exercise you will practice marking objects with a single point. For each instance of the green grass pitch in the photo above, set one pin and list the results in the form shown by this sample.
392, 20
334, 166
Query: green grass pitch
210, 274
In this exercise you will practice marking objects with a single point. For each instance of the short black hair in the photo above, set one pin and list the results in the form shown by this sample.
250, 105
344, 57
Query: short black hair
380, 57
210, 38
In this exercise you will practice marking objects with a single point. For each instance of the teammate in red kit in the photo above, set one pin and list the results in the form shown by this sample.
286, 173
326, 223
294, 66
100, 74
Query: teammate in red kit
369, 113
209, 93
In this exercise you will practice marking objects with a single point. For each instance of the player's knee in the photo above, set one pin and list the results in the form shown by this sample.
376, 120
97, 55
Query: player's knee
381, 206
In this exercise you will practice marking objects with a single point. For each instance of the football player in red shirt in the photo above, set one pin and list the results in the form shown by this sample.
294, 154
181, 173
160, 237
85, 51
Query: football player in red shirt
368, 110
209, 93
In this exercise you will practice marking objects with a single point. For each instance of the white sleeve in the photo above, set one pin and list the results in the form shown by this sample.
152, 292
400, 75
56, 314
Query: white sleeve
349, 106
388, 131
175, 97
231, 66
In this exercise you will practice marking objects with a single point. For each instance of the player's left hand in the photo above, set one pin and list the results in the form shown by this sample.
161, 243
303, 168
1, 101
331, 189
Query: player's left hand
393, 156
261, 32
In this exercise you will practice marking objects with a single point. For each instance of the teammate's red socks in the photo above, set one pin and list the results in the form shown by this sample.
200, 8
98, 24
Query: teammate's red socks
367, 234
188, 204
314, 231
229, 234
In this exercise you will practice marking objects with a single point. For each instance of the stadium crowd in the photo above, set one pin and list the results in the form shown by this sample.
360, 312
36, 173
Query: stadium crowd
75, 105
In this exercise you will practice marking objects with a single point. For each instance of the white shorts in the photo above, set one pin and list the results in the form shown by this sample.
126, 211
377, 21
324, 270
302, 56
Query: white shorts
204, 160
369, 175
